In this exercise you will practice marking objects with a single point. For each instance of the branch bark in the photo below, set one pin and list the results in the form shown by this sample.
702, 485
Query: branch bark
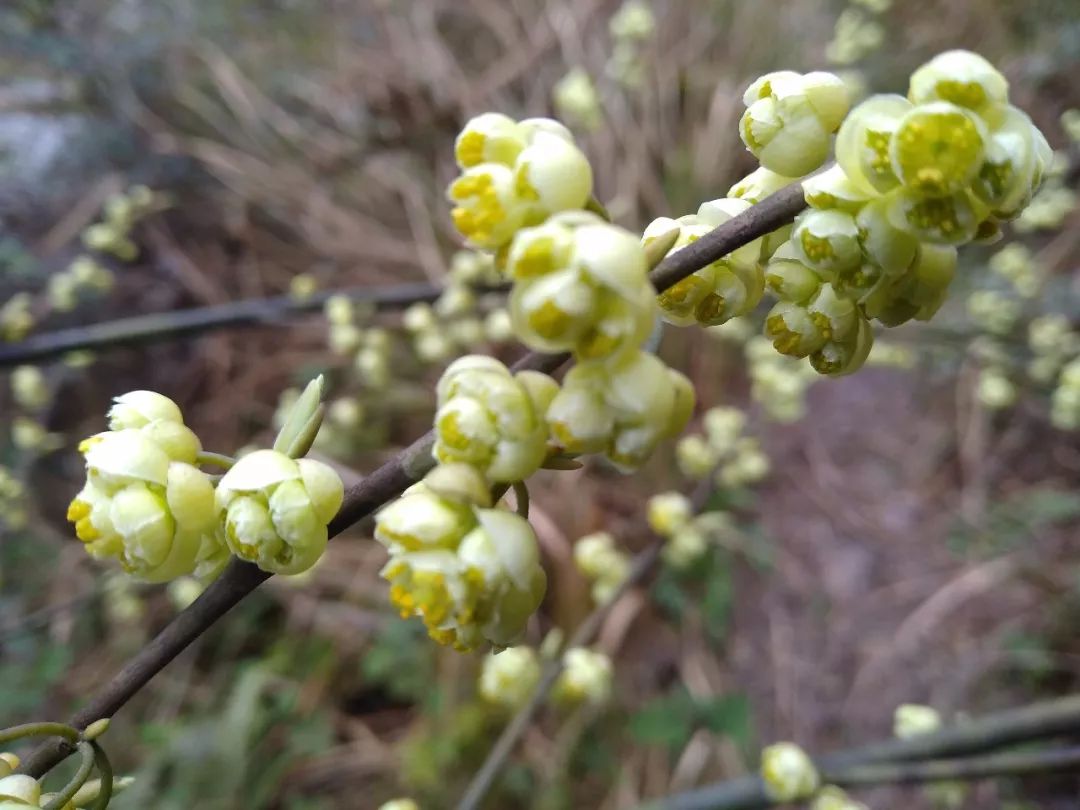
239, 579
1038, 721
160, 326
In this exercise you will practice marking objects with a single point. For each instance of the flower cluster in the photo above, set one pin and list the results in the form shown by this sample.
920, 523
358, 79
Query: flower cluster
622, 408
630, 27
731, 286
492, 419
580, 285
576, 99
790, 118
84, 275
688, 536
736, 459
276, 509
602, 562
509, 678
470, 572
513, 174
915, 179
147, 503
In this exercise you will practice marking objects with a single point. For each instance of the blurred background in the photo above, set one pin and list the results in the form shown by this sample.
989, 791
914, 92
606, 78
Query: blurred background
911, 539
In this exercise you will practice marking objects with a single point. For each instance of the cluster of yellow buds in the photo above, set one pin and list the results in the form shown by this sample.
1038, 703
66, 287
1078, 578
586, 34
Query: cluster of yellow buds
915, 179
1018, 267
16, 317
778, 383
576, 100
13, 514
123, 211
369, 347
731, 286
580, 285
585, 678
622, 407
1052, 204
29, 388
688, 536
630, 28
1065, 401
147, 503
856, 35
514, 174
605, 565
18, 791
84, 274
723, 449
492, 419
1053, 342
788, 773
275, 509
470, 571
994, 312
509, 678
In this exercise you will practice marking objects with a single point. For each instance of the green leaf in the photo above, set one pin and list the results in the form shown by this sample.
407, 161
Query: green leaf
728, 715
666, 721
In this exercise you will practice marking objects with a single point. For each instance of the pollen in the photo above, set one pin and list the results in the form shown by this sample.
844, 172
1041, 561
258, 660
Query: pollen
537, 259
470, 149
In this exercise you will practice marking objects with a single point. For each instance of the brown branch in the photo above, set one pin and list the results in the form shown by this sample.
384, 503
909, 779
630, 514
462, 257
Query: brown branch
239, 579
1038, 721
160, 326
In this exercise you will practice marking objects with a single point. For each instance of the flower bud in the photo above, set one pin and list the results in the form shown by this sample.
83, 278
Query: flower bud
832, 189
962, 78
488, 418
789, 119
581, 286
833, 798
29, 387
399, 804
827, 242
862, 144
20, 790
911, 720
509, 677
605, 565
276, 509
137, 409
585, 678
669, 512
788, 773
696, 457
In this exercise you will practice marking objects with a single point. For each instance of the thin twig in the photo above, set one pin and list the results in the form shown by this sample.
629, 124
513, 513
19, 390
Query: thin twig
239, 578
160, 326
1012, 763
504, 746
1037, 721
